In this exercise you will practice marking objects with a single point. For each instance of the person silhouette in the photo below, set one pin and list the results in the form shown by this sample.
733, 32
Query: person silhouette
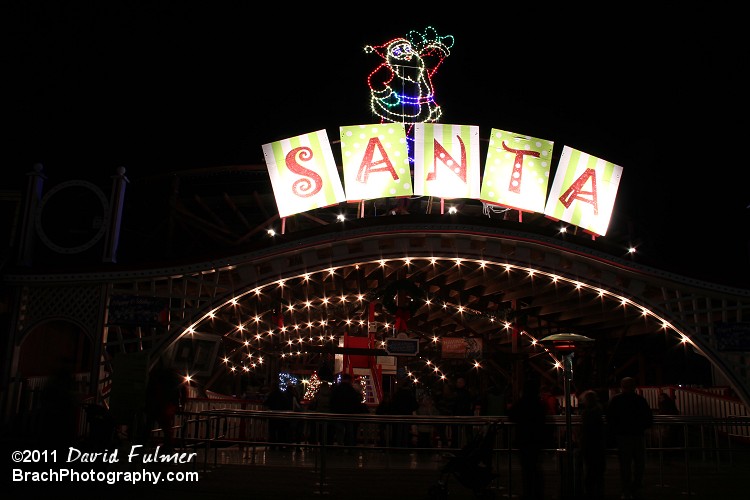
628, 417
321, 403
592, 448
671, 434
165, 395
404, 402
463, 405
529, 415
426, 431
279, 430
346, 399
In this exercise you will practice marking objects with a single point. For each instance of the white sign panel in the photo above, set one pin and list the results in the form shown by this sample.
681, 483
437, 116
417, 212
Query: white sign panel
584, 190
303, 173
517, 171
375, 161
446, 160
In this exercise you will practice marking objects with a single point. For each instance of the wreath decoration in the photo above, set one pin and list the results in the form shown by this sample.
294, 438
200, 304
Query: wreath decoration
411, 290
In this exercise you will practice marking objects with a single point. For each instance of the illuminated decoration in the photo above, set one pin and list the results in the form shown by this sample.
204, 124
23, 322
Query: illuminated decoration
307, 178
313, 386
583, 191
401, 88
303, 173
446, 160
378, 160
310, 323
286, 380
517, 170
362, 383
375, 161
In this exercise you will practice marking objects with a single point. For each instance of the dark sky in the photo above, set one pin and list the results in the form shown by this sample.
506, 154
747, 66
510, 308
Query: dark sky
169, 86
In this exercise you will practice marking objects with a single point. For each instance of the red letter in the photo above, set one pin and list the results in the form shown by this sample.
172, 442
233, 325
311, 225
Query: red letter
301, 185
441, 152
367, 165
575, 191
515, 178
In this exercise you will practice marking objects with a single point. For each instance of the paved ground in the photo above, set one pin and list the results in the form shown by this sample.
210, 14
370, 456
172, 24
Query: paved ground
362, 475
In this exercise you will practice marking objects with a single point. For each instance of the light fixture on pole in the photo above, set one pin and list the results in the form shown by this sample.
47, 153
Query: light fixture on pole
566, 344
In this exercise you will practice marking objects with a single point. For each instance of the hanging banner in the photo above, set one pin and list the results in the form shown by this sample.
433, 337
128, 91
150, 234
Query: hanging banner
303, 173
517, 170
375, 161
138, 311
446, 160
584, 190
461, 347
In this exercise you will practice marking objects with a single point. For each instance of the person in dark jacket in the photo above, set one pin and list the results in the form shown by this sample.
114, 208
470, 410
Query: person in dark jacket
671, 434
592, 445
345, 398
321, 403
463, 405
404, 403
278, 428
628, 417
530, 416
166, 393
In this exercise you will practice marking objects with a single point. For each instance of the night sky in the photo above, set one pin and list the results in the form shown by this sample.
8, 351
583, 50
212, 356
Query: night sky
170, 86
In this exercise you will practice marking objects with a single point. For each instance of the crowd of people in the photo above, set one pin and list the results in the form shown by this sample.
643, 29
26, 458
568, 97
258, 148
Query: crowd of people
623, 420
620, 422
342, 394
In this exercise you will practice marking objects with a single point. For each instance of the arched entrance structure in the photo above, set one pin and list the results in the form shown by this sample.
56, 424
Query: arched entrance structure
290, 298
508, 288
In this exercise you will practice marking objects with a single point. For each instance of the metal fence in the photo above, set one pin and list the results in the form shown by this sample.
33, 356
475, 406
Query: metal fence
704, 443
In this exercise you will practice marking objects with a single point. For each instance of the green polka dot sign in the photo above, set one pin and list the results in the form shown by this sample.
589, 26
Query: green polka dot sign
446, 165
376, 161
516, 172
303, 173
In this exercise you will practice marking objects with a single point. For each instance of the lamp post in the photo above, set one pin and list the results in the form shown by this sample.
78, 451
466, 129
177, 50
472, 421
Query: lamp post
565, 344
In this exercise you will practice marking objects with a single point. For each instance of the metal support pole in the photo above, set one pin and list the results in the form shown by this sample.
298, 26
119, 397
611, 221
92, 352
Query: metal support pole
568, 472
566, 344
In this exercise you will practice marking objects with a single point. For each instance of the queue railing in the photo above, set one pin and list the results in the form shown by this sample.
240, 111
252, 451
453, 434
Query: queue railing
686, 443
